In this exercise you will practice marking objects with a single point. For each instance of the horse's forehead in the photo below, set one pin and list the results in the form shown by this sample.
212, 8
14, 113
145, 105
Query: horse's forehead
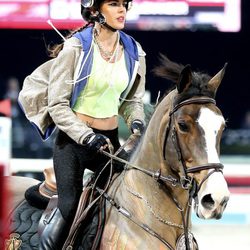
210, 119
211, 122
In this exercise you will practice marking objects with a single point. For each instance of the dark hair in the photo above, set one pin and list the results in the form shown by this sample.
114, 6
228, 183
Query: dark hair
172, 71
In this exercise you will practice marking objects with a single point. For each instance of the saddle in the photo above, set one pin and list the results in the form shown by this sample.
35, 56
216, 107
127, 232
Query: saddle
48, 187
89, 217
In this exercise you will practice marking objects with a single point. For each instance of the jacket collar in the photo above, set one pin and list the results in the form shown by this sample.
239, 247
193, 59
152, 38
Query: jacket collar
129, 44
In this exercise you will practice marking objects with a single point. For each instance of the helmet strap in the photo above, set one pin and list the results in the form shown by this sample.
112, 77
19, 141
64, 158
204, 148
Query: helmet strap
100, 18
109, 27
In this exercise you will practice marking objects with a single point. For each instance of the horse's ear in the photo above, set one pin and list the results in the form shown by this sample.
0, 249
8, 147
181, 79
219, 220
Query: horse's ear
214, 83
185, 79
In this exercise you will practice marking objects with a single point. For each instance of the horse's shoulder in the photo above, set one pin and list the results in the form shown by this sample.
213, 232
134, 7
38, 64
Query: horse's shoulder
16, 186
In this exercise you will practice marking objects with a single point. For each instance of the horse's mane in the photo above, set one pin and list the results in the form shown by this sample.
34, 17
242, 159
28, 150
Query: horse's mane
172, 71
168, 69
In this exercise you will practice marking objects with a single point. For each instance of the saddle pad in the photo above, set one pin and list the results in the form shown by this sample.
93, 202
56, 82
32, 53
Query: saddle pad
23, 227
24, 221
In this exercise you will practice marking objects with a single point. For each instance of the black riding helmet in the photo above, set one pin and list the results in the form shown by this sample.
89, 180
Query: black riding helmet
87, 7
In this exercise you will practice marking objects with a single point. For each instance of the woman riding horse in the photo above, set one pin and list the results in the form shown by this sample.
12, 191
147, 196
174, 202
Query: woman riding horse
110, 69
148, 205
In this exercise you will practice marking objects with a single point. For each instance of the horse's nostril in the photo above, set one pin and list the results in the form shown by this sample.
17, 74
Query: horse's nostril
207, 202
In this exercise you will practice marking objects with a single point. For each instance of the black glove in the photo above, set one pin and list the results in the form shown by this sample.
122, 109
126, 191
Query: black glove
95, 141
137, 126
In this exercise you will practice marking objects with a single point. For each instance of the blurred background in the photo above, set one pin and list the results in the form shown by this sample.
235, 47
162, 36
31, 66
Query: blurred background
205, 34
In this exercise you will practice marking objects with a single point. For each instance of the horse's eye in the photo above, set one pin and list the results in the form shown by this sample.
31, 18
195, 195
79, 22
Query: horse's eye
183, 126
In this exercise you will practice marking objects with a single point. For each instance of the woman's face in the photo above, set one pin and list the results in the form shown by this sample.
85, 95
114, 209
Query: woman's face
114, 12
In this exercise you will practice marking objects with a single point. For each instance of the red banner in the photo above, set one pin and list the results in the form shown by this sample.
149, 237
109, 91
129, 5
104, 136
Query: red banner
5, 108
221, 15
3, 209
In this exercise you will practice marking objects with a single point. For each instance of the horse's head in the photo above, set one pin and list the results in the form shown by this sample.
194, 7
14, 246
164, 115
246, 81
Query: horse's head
193, 130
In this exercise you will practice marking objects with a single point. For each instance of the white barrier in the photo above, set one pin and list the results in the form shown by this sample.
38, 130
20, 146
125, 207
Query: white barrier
238, 209
5, 143
29, 165
241, 169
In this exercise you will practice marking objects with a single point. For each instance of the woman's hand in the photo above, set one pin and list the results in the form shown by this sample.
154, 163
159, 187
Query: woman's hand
137, 127
96, 142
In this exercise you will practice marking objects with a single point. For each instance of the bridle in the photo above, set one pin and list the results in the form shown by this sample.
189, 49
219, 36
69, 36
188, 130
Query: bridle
186, 182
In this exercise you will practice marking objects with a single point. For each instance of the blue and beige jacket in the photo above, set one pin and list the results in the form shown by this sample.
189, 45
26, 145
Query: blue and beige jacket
52, 89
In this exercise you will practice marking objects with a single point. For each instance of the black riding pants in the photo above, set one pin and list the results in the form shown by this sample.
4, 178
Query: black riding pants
70, 161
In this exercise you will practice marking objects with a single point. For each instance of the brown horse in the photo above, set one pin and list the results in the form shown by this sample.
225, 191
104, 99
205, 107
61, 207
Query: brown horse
148, 206
177, 160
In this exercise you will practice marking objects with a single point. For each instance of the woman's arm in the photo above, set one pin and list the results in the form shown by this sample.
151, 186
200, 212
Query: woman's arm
60, 91
132, 108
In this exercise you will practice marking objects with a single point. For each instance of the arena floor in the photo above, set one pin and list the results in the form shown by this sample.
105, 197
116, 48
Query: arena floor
222, 237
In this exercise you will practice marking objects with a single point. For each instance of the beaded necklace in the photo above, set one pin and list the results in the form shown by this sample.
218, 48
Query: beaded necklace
107, 55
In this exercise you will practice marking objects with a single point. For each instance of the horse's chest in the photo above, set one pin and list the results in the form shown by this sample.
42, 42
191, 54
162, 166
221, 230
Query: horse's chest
115, 237
128, 236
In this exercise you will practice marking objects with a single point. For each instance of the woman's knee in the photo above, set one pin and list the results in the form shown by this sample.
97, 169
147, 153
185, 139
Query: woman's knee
68, 206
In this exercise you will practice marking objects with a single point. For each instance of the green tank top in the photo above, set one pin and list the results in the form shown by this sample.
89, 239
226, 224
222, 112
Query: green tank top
100, 97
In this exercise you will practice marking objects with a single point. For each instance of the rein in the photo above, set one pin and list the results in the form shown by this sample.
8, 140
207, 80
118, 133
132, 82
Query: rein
156, 175
69, 243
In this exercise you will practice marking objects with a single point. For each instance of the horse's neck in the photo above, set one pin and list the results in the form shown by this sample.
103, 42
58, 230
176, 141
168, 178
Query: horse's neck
149, 153
141, 190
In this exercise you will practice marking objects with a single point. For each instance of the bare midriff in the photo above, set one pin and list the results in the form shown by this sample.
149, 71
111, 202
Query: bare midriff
108, 123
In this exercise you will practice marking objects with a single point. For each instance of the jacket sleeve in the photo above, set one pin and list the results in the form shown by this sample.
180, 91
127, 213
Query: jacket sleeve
60, 91
33, 98
132, 107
